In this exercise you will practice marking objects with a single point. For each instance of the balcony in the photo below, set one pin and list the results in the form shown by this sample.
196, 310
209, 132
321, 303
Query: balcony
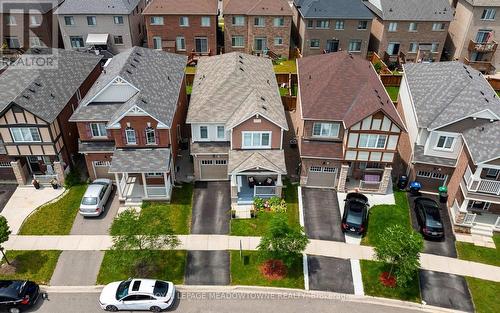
485, 47
485, 67
480, 185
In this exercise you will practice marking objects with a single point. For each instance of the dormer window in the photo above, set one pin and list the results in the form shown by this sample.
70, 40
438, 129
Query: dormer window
150, 136
445, 142
130, 135
203, 132
220, 132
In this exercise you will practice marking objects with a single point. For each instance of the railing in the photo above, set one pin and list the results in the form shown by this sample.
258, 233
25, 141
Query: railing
264, 191
497, 223
468, 176
123, 183
469, 219
483, 46
482, 66
156, 191
489, 186
44, 179
369, 185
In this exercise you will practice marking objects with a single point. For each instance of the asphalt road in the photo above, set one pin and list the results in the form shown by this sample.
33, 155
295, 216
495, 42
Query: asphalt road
211, 208
322, 215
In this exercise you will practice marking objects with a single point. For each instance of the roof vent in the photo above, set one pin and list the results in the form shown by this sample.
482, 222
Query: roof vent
482, 93
133, 65
144, 101
310, 77
241, 69
376, 90
137, 53
26, 97
240, 61
241, 57
128, 71
268, 82
390, 10
470, 76
38, 84
262, 98
264, 107
32, 90
168, 77
487, 100
52, 95
135, 60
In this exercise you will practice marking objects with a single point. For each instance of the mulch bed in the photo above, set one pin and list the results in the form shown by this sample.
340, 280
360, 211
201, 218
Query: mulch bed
8, 269
387, 280
273, 269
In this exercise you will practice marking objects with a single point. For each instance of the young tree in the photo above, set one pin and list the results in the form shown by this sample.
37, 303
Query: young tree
283, 242
4, 235
400, 248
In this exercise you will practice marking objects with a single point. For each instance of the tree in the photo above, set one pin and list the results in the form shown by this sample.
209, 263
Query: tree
4, 235
400, 247
283, 242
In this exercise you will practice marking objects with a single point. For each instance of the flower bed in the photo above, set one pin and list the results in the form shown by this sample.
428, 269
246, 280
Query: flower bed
273, 204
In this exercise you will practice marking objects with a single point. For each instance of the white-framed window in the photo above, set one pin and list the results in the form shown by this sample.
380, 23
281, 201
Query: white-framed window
314, 43
13, 42
156, 20
25, 134
91, 21
69, 21
432, 175
413, 47
393, 48
101, 163
354, 45
259, 21
157, 43
118, 19
372, 141
36, 42
329, 169
339, 25
279, 21
256, 140
326, 130
319, 169
118, 40
154, 174
203, 132
5, 164
76, 41
393, 26
435, 47
362, 25
438, 26
424, 174
412, 27
316, 169
130, 135
492, 173
445, 142
478, 205
238, 20
439, 176
11, 20
180, 43
220, 162
221, 133
278, 41
207, 162
35, 20
323, 24
205, 21
310, 23
98, 130
150, 136
489, 14
184, 21
237, 41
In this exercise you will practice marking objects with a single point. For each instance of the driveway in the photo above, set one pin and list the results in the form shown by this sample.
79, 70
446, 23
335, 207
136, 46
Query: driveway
6, 191
330, 274
445, 290
207, 268
321, 214
445, 247
211, 208
97, 225
77, 268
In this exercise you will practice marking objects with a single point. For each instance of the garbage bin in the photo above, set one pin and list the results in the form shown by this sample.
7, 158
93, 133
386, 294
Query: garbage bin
415, 187
443, 194
402, 182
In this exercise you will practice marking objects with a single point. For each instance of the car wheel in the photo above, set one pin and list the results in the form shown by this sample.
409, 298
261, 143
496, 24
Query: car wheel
155, 309
14, 310
111, 308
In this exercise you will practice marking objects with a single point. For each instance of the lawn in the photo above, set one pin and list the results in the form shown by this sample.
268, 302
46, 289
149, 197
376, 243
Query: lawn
246, 272
189, 89
55, 218
393, 92
34, 265
287, 66
178, 212
383, 216
470, 252
166, 265
370, 271
484, 294
498, 93
257, 226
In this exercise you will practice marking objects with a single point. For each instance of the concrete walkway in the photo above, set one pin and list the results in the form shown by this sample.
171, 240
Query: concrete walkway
222, 242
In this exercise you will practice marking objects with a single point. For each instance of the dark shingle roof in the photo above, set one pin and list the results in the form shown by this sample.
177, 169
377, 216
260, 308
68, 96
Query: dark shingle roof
348, 9
97, 7
176, 7
411, 10
141, 161
258, 7
420, 156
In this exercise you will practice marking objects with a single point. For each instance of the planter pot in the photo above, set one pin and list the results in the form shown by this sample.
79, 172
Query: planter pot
36, 184
55, 186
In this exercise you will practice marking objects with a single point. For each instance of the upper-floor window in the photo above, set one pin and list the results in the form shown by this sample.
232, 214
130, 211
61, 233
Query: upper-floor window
69, 21
180, 42
354, 45
324, 24
492, 173
488, 14
435, 47
259, 21
362, 25
256, 140
98, 129
238, 20
203, 132
221, 132
279, 21
438, 26
118, 40
310, 23
36, 42
157, 43
326, 130
35, 20
393, 48
118, 19
150, 136
25, 134
205, 21
413, 47
237, 41
91, 20
393, 26
13, 42
483, 35
314, 43
339, 25
278, 41
184, 21
130, 135
156, 20
11, 20
76, 42
372, 141
445, 142
412, 27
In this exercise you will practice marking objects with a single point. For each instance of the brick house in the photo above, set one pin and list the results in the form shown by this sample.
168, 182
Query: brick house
187, 27
132, 121
322, 26
453, 120
36, 140
257, 27
237, 123
408, 30
346, 125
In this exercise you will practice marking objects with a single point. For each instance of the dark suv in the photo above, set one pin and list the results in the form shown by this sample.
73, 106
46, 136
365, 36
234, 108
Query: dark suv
429, 218
355, 214
17, 295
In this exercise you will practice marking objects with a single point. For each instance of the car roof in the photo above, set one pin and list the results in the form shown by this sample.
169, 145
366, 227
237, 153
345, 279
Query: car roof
11, 288
93, 190
144, 286
427, 201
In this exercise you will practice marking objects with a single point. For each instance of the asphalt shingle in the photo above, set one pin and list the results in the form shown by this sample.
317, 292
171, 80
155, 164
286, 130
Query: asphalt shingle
411, 10
140, 161
97, 7
348, 9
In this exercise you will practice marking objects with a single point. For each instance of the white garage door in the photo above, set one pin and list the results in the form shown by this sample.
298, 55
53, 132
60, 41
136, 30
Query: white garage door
213, 169
101, 169
319, 176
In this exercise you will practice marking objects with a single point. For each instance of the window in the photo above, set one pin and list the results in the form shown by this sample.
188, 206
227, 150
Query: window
207, 162
157, 43
118, 40
324, 24
25, 134
393, 48
317, 169
478, 205
327, 130
35, 20
154, 174
76, 41
255, 140
489, 14
339, 25
445, 142
91, 21
150, 136
180, 43
372, 141
220, 132
412, 27
259, 21
130, 135
484, 35
314, 43
354, 46
237, 41
413, 47
438, 26
439, 176
98, 130
220, 162
205, 21
156, 20
204, 132
435, 47
36, 42
11, 20
184, 21
5, 164
69, 21
492, 173
118, 20
310, 23
278, 41
238, 21
13, 42
201, 44
362, 25
424, 174
279, 21
393, 26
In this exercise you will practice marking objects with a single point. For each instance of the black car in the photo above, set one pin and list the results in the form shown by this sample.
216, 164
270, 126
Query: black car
429, 218
355, 213
17, 295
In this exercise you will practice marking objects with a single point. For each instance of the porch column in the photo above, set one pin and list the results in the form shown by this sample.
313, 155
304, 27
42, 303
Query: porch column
18, 172
234, 189
165, 182
144, 185
59, 170
118, 186
344, 169
279, 186
386, 179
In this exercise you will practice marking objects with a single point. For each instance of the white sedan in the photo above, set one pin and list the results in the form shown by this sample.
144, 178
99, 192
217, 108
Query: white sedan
137, 294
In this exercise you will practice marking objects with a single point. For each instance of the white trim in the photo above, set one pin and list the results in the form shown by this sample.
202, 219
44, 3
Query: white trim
253, 133
160, 125
261, 115
113, 81
465, 117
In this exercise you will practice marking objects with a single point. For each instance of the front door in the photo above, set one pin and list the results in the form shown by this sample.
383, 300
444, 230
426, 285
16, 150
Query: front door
34, 164
332, 46
260, 44
201, 44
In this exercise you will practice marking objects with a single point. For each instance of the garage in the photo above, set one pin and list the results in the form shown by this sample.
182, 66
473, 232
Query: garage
101, 169
322, 176
213, 169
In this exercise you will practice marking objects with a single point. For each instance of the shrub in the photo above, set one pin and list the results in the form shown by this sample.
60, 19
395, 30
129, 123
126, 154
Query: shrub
73, 178
273, 204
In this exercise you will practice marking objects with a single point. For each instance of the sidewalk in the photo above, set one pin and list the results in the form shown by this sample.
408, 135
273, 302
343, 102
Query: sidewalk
223, 242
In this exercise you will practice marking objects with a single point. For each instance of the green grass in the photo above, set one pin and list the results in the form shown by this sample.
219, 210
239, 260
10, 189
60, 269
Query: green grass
498, 93
34, 265
117, 265
249, 273
55, 218
371, 270
257, 226
283, 91
287, 66
190, 69
178, 212
470, 252
383, 216
393, 92
189, 89
484, 294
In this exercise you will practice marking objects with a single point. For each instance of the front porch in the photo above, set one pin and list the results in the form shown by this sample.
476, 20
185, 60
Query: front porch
256, 185
365, 177
473, 216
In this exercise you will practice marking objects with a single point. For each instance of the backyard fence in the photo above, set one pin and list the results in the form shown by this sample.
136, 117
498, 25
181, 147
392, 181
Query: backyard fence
289, 102
494, 82
391, 80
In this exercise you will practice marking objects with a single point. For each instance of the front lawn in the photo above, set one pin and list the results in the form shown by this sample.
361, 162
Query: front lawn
165, 265
370, 271
246, 272
470, 252
55, 218
177, 212
484, 295
34, 265
393, 92
283, 67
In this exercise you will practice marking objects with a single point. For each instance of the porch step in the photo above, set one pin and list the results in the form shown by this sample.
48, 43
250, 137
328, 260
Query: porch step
482, 230
132, 204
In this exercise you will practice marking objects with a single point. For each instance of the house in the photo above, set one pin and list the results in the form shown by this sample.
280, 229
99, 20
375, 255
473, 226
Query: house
346, 125
131, 123
322, 26
186, 27
453, 120
473, 34
36, 140
257, 27
409, 30
237, 123
111, 26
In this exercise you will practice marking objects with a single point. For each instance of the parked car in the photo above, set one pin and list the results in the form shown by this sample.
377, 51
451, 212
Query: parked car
137, 294
96, 196
355, 215
429, 218
18, 295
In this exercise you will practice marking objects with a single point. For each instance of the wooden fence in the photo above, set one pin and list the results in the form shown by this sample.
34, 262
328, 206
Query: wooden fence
289, 102
494, 82
391, 80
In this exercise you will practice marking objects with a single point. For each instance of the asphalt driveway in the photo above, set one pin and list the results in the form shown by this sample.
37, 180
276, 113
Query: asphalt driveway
6, 191
445, 290
207, 268
445, 247
321, 214
77, 268
330, 274
211, 208
97, 225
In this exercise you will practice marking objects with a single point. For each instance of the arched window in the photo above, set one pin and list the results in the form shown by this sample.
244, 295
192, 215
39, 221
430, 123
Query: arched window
130, 135
150, 136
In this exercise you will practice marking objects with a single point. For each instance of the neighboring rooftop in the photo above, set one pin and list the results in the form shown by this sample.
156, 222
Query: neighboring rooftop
342, 87
259, 7
482, 141
43, 6
176, 7
97, 7
45, 91
411, 10
484, 3
348, 9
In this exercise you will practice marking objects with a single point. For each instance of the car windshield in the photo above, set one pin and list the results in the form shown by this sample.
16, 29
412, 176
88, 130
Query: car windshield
161, 289
99, 183
11, 288
433, 219
122, 290
89, 200
355, 215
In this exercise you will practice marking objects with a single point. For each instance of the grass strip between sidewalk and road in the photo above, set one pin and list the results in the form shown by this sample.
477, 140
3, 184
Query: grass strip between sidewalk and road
484, 295
35, 265
470, 252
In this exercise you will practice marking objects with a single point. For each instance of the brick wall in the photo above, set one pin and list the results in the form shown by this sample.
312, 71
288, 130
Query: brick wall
139, 124
403, 157
252, 125
91, 157
6, 173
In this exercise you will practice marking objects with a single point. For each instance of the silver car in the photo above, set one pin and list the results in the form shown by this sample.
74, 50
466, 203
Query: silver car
95, 198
